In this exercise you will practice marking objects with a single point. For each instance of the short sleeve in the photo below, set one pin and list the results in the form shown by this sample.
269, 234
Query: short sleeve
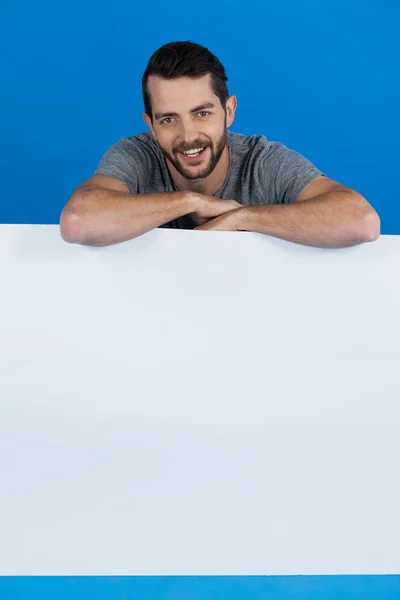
287, 172
125, 161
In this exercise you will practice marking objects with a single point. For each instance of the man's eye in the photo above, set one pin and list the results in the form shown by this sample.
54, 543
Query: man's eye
164, 121
204, 113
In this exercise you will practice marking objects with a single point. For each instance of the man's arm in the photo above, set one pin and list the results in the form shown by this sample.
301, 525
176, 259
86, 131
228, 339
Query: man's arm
326, 214
102, 211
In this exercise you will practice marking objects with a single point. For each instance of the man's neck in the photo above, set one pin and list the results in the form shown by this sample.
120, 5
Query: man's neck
208, 186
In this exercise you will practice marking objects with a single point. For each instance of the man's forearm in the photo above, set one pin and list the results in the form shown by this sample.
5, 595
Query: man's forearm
337, 219
100, 217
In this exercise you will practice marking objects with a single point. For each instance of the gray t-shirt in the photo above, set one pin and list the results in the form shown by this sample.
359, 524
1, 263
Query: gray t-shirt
260, 172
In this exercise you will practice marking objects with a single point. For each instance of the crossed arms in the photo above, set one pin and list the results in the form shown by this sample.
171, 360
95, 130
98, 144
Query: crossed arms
326, 214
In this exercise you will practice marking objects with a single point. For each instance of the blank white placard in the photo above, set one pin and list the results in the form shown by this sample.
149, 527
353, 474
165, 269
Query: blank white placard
198, 403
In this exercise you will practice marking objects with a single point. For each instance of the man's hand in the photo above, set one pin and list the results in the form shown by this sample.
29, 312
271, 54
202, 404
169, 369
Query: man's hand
229, 221
209, 207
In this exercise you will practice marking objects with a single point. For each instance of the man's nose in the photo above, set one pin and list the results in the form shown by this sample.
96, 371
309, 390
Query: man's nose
189, 133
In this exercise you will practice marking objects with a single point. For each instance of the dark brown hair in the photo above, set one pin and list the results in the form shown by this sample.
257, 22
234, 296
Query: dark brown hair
185, 59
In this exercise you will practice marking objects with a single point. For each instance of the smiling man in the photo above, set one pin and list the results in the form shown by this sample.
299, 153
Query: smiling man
190, 171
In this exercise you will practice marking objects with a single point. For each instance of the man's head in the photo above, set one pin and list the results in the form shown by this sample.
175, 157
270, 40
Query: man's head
188, 107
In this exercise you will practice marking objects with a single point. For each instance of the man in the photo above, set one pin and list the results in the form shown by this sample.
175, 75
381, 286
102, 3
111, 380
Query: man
191, 172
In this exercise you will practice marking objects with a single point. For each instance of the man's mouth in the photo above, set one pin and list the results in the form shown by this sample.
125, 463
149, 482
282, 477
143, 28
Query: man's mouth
194, 155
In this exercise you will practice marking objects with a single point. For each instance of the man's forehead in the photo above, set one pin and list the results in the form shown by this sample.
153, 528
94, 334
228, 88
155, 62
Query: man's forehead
179, 90
157, 81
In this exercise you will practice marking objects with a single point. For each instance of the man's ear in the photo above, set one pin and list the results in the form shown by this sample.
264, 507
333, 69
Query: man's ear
149, 124
231, 105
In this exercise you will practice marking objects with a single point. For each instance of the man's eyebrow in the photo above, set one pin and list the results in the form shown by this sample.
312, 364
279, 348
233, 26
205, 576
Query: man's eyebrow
193, 110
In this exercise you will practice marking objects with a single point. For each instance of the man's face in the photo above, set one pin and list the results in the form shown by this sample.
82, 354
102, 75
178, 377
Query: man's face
188, 117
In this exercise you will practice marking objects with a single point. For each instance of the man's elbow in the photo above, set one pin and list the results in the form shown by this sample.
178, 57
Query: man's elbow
370, 226
365, 222
72, 226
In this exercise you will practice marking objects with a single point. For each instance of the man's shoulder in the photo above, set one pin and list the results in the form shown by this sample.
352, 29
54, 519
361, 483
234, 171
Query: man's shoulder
140, 150
138, 142
244, 140
255, 151
253, 144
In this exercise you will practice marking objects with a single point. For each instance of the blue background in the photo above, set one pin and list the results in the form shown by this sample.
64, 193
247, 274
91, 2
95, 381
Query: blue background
321, 76
201, 588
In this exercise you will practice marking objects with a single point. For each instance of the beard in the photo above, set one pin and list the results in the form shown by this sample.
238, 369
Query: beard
203, 171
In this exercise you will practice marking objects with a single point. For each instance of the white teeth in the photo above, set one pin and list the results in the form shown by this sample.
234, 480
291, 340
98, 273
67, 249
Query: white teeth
197, 151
